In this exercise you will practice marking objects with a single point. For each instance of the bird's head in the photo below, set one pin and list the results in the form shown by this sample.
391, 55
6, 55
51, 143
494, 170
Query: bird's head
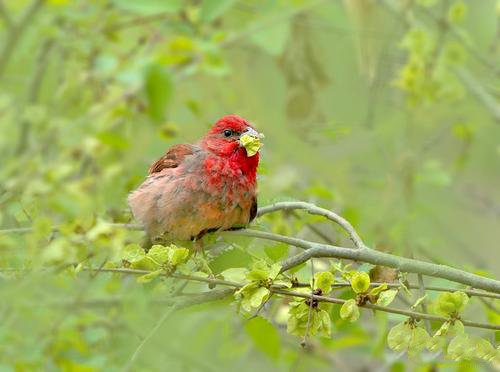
232, 135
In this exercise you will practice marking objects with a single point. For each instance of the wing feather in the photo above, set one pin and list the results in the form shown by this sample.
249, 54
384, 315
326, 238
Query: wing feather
174, 156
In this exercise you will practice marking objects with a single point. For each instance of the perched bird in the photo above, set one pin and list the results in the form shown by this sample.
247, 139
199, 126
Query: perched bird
195, 189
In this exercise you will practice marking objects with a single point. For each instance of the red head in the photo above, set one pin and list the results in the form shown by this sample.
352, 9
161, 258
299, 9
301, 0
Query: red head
223, 138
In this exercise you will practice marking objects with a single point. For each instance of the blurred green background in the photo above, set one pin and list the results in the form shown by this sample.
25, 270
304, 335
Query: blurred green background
384, 111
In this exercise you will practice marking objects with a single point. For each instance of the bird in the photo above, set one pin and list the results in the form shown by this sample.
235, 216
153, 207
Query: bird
198, 188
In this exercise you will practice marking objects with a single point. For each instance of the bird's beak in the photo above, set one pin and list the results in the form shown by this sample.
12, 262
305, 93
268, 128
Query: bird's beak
250, 140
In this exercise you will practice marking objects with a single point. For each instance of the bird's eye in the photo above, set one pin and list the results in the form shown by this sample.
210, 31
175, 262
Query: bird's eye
228, 133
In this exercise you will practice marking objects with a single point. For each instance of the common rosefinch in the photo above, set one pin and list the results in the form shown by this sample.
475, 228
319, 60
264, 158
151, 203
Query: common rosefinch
194, 189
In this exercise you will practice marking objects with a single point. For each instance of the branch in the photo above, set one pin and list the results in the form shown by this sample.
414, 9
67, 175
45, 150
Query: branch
199, 299
282, 291
374, 257
312, 209
481, 94
363, 254
411, 314
469, 292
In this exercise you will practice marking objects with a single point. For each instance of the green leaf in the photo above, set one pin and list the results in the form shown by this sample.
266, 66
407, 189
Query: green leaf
436, 343
260, 271
449, 303
230, 258
324, 280
277, 251
418, 342
212, 9
251, 144
178, 255
404, 337
399, 337
457, 12
158, 87
323, 323
159, 254
146, 278
349, 310
360, 282
145, 263
419, 301
133, 253
443, 330
485, 350
235, 274
264, 335
252, 296
386, 297
259, 296
375, 291
460, 348
274, 271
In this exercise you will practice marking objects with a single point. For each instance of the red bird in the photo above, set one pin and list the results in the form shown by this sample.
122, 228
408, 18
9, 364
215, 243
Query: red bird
194, 189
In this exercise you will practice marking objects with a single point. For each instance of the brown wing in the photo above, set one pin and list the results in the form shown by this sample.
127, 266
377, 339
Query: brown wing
174, 156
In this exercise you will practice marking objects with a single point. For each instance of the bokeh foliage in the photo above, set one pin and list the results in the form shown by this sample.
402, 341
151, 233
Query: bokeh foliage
385, 111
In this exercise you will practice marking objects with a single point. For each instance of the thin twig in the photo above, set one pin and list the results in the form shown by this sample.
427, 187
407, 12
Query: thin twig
313, 209
423, 305
283, 291
204, 297
409, 313
309, 315
481, 94
363, 254
151, 333
259, 309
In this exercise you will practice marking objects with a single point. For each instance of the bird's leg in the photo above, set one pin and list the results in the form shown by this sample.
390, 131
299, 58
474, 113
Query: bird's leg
198, 247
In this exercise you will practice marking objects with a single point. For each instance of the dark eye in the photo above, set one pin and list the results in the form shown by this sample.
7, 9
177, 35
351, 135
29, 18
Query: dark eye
228, 133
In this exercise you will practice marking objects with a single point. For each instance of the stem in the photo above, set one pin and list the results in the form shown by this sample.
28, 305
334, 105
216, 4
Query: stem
423, 305
308, 325
312, 209
412, 314
199, 299
280, 290
481, 94
363, 254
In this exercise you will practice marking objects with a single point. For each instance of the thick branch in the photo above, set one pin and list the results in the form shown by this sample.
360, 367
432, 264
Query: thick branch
374, 257
363, 254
